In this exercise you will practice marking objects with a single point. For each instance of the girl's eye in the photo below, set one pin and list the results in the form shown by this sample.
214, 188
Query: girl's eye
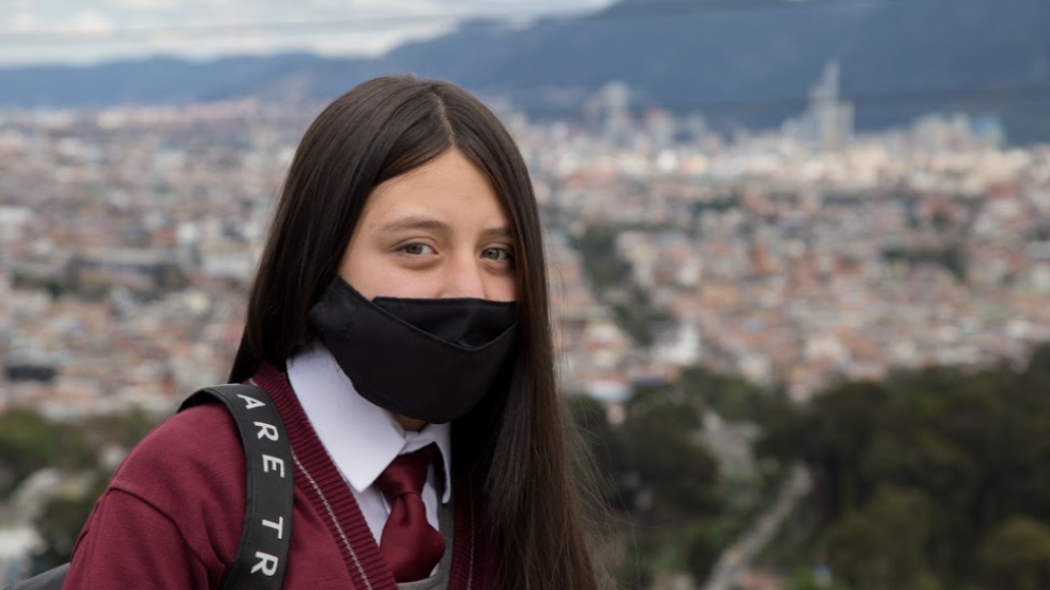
417, 249
498, 254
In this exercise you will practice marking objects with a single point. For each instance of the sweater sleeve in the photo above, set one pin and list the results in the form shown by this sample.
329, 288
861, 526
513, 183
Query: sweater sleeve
130, 544
172, 514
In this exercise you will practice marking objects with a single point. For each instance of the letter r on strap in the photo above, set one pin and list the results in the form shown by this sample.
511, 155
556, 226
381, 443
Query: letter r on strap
267, 563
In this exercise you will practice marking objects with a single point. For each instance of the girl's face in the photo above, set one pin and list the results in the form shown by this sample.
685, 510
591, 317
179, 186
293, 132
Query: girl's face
436, 231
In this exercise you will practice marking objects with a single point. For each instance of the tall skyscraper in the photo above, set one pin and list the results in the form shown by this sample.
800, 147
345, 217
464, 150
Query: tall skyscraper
827, 122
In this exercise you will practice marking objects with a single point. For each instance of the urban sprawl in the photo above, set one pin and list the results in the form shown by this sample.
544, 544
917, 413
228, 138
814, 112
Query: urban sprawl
794, 257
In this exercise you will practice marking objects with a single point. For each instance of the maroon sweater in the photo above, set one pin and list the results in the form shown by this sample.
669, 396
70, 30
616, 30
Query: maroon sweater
173, 512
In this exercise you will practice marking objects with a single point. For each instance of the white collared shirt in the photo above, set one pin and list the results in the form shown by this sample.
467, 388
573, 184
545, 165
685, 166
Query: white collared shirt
361, 438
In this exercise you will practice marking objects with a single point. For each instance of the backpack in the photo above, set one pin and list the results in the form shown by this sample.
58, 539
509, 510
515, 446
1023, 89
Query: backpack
262, 555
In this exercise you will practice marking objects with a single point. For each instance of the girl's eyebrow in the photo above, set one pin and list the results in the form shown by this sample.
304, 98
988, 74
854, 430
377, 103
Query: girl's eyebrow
417, 222
497, 232
422, 222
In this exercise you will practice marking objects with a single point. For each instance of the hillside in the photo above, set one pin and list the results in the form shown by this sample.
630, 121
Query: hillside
735, 59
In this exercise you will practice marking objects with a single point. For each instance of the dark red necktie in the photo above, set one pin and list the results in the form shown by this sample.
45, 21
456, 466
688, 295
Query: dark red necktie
409, 544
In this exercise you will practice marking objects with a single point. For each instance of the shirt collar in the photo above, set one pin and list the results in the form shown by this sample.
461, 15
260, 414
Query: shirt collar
361, 438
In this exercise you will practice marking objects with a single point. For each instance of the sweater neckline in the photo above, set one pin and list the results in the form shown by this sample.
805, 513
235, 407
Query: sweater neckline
332, 498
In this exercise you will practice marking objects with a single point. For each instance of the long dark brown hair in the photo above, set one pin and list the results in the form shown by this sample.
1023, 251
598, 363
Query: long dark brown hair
518, 445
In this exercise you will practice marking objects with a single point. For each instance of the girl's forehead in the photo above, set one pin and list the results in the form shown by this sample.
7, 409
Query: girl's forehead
447, 192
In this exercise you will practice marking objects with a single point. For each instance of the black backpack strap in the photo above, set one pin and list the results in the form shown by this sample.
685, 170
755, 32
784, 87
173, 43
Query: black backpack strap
263, 552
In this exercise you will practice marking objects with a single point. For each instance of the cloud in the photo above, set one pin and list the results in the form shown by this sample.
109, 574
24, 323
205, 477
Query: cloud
375, 42
118, 29
90, 22
146, 5
24, 22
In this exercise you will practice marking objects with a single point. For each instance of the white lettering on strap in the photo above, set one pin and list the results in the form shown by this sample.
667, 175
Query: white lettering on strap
250, 402
267, 563
277, 526
267, 430
276, 462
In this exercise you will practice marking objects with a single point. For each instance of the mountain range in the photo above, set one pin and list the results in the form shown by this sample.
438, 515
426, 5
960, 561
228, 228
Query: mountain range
740, 62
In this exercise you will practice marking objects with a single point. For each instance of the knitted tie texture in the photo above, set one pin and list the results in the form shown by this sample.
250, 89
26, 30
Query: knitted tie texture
411, 547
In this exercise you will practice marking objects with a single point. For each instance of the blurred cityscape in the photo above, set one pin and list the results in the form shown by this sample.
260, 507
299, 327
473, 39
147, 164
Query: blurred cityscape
794, 258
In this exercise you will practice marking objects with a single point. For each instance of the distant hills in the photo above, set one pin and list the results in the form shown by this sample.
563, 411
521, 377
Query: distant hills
741, 62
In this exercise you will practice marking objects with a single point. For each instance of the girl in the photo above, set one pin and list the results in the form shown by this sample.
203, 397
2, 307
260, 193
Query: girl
400, 322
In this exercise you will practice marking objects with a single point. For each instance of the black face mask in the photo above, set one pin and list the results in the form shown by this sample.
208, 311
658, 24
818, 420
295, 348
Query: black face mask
428, 359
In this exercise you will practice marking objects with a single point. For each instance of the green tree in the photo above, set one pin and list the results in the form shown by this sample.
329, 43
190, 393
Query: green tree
804, 579
597, 245
663, 483
60, 523
1035, 381
611, 278
602, 446
29, 441
832, 437
730, 397
701, 553
880, 546
1017, 555
976, 442
919, 459
672, 476
124, 430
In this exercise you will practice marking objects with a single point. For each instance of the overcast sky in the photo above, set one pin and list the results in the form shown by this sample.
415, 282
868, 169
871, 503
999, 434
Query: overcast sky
72, 32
